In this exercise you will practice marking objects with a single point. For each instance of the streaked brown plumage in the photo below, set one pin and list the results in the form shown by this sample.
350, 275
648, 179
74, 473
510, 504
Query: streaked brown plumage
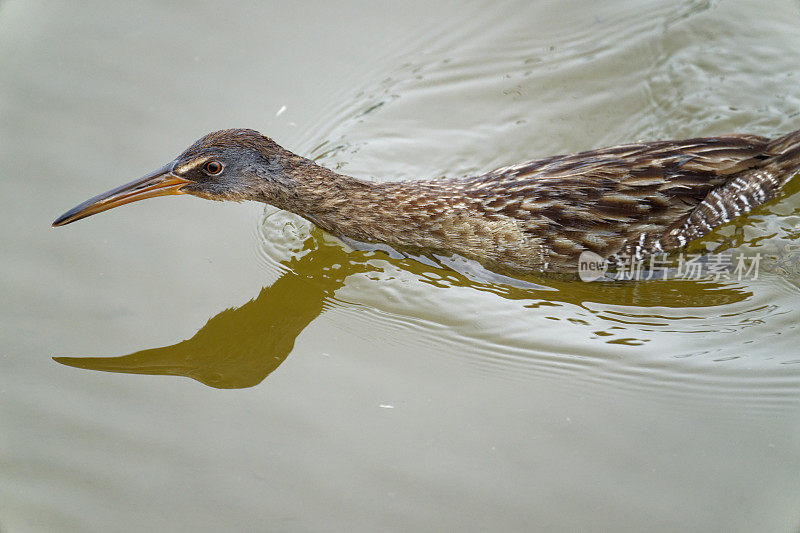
636, 199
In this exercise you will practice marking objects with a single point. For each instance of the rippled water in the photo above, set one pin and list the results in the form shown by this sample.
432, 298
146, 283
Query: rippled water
338, 389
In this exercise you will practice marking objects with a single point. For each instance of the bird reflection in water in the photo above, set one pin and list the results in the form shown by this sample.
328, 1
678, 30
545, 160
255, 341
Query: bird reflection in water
240, 347
637, 200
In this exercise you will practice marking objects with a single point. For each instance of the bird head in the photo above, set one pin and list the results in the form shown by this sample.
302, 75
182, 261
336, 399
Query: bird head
237, 164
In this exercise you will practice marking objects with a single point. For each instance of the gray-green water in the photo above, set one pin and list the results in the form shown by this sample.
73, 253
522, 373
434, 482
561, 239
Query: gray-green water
356, 392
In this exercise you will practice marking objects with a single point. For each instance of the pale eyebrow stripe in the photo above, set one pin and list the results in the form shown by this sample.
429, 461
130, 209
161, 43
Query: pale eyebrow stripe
191, 165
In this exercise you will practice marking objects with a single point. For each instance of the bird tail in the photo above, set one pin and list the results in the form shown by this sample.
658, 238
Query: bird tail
762, 182
786, 155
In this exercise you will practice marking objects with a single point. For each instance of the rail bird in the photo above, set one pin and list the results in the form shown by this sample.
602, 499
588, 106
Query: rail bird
637, 199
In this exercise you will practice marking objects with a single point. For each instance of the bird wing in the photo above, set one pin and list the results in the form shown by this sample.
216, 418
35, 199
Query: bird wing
616, 200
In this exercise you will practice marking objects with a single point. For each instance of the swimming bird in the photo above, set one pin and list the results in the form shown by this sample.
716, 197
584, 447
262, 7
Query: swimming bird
637, 199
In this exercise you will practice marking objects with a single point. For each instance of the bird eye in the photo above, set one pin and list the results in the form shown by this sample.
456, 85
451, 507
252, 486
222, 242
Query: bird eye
213, 167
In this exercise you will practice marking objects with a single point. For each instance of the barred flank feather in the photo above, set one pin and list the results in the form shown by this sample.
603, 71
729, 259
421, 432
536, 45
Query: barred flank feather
747, 190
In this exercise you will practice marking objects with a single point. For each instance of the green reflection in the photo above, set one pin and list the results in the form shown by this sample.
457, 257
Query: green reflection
240, 347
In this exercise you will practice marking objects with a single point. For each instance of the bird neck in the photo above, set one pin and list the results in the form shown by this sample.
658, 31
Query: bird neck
337, 203
396, 213
432, 215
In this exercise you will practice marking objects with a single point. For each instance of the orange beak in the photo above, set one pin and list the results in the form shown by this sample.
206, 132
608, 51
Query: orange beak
162, 182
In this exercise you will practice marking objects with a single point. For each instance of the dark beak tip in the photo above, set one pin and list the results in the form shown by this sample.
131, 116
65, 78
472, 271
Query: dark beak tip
63, 220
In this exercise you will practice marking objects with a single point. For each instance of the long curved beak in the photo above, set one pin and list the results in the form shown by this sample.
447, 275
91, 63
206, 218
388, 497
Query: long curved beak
162, 182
